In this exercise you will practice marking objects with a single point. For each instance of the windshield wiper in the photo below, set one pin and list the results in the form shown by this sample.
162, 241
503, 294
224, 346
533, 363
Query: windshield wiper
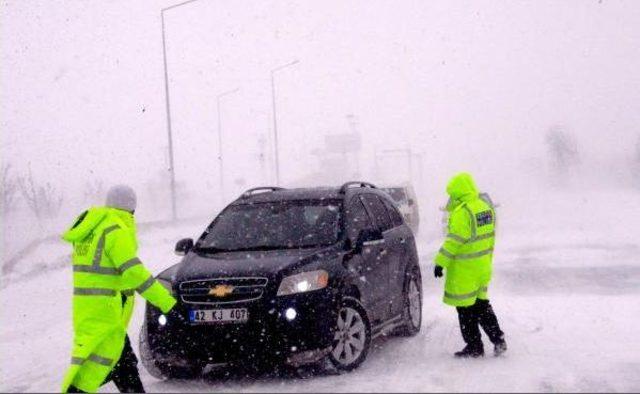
257, 248
271, 247
210, 250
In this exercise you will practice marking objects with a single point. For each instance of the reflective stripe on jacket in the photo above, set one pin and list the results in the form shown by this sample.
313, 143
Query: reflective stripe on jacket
467, 251
105, 265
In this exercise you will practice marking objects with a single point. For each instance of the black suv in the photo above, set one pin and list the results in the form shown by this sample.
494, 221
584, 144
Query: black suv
288, 276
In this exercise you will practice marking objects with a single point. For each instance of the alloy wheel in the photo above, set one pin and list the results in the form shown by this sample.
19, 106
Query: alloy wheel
350, 337
415, 304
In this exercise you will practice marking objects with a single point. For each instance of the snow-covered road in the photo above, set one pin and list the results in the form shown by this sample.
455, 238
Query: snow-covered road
567, 294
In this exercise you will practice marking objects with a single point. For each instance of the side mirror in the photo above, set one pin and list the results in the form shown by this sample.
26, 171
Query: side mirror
184, 246
368, 237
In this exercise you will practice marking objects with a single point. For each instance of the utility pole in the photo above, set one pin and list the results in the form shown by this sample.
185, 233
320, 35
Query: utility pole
172, 171
275, 120
220, 166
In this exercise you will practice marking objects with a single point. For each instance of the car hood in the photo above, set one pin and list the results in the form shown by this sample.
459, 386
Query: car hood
248, 263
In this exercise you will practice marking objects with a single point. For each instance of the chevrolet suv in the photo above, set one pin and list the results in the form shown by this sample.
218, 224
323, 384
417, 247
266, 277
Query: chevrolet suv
288, 276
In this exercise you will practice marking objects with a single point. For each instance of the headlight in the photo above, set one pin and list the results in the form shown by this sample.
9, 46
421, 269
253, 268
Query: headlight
301, 283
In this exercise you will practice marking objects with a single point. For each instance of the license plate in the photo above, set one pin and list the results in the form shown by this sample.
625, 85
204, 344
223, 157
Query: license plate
235, 315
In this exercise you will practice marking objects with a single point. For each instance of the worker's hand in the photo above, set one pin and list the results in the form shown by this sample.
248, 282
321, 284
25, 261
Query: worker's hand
437, 271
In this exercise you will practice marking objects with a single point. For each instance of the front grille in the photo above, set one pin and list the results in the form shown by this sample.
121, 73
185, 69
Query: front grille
241, 290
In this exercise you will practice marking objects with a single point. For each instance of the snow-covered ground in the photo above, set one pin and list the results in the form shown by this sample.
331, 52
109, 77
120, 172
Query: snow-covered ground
566, 290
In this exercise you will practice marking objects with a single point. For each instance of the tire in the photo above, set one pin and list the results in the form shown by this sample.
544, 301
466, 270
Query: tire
412, 299
160, 370
352, 337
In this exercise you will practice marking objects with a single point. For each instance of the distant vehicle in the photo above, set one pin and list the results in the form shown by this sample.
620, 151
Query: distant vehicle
405, 198
288, 276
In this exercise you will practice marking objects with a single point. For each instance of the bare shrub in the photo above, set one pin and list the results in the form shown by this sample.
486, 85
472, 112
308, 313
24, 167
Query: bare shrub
9, 189
43, 200
635, 166
563, 150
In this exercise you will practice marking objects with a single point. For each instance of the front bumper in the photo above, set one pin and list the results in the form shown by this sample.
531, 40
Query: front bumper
267, 337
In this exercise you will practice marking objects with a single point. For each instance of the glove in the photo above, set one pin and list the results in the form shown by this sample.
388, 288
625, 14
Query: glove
437, 271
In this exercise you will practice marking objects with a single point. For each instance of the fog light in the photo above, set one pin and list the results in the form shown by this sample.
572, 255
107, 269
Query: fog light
162, 319
290, 314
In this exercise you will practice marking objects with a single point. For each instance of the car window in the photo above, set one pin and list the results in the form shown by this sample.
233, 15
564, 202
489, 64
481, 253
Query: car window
357, 218
396, 217
398, 194
376, 208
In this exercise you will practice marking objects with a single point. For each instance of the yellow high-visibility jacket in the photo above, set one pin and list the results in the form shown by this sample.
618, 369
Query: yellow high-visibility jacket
105, 267
467, 251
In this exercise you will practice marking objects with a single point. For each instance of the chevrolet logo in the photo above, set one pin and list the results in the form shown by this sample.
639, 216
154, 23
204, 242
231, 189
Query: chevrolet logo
221, 291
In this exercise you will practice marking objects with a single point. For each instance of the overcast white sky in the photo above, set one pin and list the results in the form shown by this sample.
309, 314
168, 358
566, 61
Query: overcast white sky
472, 85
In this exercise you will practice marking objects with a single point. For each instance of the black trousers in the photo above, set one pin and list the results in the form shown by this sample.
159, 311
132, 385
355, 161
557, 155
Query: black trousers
124, 374
479, 314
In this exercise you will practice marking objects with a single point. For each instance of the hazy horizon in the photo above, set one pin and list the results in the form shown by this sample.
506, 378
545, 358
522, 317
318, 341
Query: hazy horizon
468, 86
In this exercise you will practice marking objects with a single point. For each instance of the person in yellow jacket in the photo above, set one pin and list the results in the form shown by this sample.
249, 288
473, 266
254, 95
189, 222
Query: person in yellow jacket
467, 255
106, 273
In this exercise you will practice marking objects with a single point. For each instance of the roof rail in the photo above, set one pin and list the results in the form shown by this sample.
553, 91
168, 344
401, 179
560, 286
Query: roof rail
250, 192
343, 188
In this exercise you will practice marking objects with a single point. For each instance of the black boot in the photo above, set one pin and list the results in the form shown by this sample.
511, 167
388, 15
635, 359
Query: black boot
470, 352
499, 347
468, 318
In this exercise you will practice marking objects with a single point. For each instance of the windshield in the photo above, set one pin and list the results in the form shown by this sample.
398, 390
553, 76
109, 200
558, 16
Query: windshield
274, 225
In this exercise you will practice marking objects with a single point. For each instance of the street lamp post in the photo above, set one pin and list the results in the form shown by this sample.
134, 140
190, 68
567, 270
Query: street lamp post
221, 168
275, 121
168, 109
